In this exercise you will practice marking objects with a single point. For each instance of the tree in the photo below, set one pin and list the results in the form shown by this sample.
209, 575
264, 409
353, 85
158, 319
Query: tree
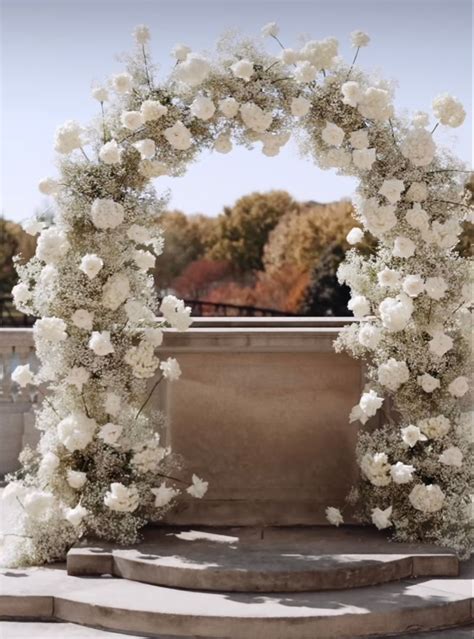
199, 277
242, 230
13, 241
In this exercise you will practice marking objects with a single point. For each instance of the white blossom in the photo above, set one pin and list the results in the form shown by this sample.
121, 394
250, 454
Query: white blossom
459, 386
403, 247
435, 427
418, 147
355, 236
110, 152
376, 468
388, 277
76, 431
370, 403
359, 39
78, 376
271, 30
52, 245
411, 435
122, 83
417, 192
68, 137
83, 319
178, 136
381, 518
100, 94
75, 515
417, 217
91, 264
21, 294
369, 336
48, 186
300, 106
112, 404
198, 488
451, 456
141, 33
321, 54
304, 71
243, 69
359, 305
436, 288
289, 56
139, 234
392, 374
402, 473
427, 498
23, 375
223, 143
255, 118
359, 139
448, 110
364, 158
76, 479
378, 219
229, 107
141, 359
396, 312
352, 93
110, 433
100, 343
171, 369
152, 110
332, 134
122, 498
32, 226
51, 329
375, 104
144, 259
38, 504
440, 343
334, 516
392, 190
115, 291
420, 119
106, 214
202, 108
193, 70
164, 495
176, 313
180, 52
428, 383
413, 285
132, 120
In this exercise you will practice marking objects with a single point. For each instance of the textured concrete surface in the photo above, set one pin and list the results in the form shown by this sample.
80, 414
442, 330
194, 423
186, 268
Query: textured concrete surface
126, 606
263, 560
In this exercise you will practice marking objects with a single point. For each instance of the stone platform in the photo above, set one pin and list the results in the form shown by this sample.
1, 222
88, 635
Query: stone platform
208, 585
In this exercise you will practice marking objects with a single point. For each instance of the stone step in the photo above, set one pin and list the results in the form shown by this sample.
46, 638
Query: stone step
390, 609
268, 560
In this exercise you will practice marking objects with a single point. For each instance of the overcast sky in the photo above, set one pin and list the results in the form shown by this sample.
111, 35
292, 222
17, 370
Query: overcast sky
53, 50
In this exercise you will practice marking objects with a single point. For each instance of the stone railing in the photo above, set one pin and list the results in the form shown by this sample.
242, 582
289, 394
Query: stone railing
261, 411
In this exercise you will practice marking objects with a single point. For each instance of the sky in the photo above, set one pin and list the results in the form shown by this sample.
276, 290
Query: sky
52, 51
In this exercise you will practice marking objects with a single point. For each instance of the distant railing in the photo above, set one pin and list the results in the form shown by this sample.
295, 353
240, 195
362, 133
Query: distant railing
11, 318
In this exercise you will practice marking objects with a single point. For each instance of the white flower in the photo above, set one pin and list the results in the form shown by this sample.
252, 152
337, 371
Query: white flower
82, 319
448, 110
144, 260
255, 118
388, 277
112, 403
223, 143
21, 294
417, 217
272, 142
48, 186
377, 219
164, 495
152, 110
436, 287
49, 463
413, 285
352, 93
110, 153
229, 107
375, 104
338, 158
122, 498
178, 136
171, 369
440, 343
152, 169
180, 52
51, 329
76, 479
355, 236
395, 312
402, 473
427, 498
370, 403
459, 386
304, 71
100, 343
142, 360
141, 33
392, 374
48, 275
420, 119
364, 158
369, 336
38, 504
376, 468
110, 433
193, 70
321, 54
411, 435
136, 311
417, 192
300, 106
106, 214
359, 39
139, 234
418, 147
146, 148
359, 139
332, 134
132, 120
334, 516
52, 245
359, 305
153, 336
115, 291
428, 383
176, 313
100, 94
32, 226
68, 137
122, 82
392, 190
451, 456
75, 515
271, 30
381, 518
22, 375
403, 247
435, 427
91, 265
203, 108
76, 431
198, 488
243, 69
78, 376
289, 56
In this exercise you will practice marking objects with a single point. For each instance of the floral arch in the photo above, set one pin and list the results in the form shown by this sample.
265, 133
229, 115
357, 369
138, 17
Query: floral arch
100, 469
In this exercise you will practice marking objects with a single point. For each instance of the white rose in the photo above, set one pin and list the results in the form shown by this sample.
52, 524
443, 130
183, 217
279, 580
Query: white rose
370, 403
203, 108
389, 278
417, 192
338, 158
76, 431
451, 456
48, 186
76, 479
364, 158
351, 93
436, 287
75, 515
198, 488
417, 217
141, 33
289, 56
322, 54
132, 120
52, 245
332, 134
359, 305
68, 137
413, 285
378, 219
459, 386
180, 52
359, 139
402, 473
411, 435
152, 169
375, 104
271, 30
112, 403
164, 495
153, 336
193, 70
22, 375
420, 119
115, 291
51, 329
369, 336
334, 516
122, 83
255, 118
392, 374
395, 313
376, 468
91, 264
355, 236
392, 190
152, 110
171, 369
78, 376
304, 71
229, 107
106, 214
100, 343
48, 275
435, 427
243, 69
418, 147
110, 433
223, 143
440, 343
403, 247
146, 148
359, 39
110, 153
100, 94
300, 106
21, 294
82, 319
428, 383
39, 504
448, 110
381, 518
139, 234
32, 226
178, 136
122, 498
427, 498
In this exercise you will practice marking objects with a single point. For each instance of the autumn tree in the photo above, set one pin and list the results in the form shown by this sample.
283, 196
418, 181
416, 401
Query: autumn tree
242, 230
200, 276
13, 242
